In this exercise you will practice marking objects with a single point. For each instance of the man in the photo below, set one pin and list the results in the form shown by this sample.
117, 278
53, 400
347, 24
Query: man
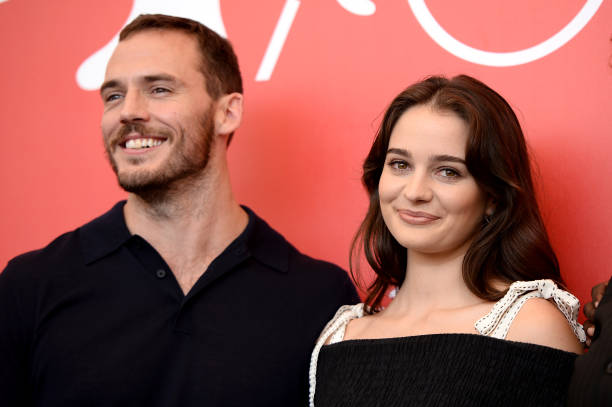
179, 296
591, 383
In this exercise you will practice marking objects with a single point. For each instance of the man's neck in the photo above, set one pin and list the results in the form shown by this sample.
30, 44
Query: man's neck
191, 226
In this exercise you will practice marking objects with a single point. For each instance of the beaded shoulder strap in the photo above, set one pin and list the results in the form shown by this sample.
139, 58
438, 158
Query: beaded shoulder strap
497, 322
334, 329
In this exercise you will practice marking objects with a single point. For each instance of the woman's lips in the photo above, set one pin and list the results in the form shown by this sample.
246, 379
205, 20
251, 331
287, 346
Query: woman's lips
417, 217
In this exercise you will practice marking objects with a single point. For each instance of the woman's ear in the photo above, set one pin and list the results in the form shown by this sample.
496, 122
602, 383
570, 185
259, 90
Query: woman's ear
490, 207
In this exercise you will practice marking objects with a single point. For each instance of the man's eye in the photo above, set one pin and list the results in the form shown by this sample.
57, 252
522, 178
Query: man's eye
112, 97
159, 90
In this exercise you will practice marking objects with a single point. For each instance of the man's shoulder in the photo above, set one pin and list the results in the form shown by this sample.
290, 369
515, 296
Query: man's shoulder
318, 278
316, 268
272, 242
65, 249
60, 250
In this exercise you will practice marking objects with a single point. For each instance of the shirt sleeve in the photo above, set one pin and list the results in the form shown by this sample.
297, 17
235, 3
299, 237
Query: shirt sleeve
14, 343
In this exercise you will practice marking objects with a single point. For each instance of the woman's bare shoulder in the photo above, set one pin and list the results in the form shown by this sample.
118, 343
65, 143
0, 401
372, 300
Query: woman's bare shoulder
540, 322
357, 328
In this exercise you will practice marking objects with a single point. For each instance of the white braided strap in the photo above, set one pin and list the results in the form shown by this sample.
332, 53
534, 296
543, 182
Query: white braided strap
497, 322
335, 328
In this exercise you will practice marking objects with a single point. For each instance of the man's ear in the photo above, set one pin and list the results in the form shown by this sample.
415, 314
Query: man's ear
228, 113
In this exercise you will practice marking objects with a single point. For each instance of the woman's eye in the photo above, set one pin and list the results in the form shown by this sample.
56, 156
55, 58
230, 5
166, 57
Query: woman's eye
398, 164
449, 173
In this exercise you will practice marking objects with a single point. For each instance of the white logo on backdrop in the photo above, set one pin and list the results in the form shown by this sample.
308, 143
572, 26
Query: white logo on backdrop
359, 7
477, 56
90, 74
279, 36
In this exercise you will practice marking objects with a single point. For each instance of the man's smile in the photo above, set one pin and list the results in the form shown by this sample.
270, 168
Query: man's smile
141, 143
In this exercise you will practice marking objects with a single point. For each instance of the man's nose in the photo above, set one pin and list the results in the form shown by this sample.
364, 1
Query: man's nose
134, 107
418, 187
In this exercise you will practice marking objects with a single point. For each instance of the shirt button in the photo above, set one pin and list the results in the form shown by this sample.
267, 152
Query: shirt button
609, 367
161, 273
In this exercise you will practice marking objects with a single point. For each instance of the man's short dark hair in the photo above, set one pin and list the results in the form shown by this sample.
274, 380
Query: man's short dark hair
219, 62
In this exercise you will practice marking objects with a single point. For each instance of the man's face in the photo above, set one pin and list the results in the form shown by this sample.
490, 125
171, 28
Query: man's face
158, 123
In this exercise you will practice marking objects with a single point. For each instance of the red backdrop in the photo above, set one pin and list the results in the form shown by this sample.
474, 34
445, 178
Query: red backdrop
296, 160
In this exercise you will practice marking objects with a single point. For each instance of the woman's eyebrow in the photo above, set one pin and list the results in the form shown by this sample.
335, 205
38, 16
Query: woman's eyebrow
446, 158
399, 151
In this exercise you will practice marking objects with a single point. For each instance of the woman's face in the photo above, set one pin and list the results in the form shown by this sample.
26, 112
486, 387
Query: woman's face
429, 200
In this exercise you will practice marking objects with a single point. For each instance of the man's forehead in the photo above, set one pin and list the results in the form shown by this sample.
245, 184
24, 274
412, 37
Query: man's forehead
156, 43
154, 51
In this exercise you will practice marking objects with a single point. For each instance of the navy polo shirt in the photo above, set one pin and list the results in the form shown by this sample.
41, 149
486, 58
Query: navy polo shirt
97, 318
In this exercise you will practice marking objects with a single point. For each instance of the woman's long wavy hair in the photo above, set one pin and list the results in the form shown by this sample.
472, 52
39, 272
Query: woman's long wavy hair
512, 244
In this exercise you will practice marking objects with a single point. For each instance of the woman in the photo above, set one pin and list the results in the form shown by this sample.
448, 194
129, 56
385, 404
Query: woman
453, 222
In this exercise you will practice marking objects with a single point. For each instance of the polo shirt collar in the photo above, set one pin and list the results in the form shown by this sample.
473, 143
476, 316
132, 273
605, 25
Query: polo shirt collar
108, 232
104, 234
264, 243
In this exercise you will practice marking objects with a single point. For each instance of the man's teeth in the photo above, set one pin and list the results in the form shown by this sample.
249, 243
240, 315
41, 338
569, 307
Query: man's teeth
142, 143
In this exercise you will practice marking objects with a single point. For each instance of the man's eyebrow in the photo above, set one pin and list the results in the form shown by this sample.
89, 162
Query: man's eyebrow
146, 79
159, 77
108, 84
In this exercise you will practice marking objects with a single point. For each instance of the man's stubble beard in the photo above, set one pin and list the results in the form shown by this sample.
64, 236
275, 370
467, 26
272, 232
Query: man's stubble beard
187, 162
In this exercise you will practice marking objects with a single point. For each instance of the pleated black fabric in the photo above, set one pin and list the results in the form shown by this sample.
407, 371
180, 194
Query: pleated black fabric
441, 370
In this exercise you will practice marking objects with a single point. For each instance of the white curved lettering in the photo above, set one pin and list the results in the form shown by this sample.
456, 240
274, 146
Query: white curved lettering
477, 56
359, 7
90, 74
277, 41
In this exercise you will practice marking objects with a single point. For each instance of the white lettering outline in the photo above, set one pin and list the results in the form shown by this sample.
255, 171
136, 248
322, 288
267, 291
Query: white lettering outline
90, 74
477, 56
358, 7
277, 41
91, 71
